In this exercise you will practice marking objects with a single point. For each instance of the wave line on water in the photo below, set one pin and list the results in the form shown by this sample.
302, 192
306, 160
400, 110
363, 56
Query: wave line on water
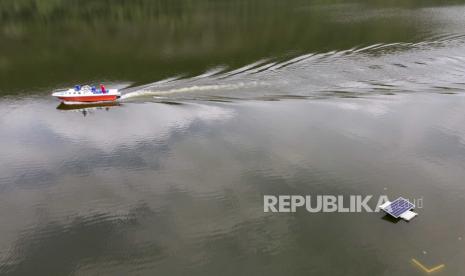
370, 67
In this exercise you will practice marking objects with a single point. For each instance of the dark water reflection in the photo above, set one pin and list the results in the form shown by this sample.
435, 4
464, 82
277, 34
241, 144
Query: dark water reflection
50, 44
176, 189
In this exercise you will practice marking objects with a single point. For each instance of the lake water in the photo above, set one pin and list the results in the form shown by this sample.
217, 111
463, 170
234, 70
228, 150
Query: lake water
225, 102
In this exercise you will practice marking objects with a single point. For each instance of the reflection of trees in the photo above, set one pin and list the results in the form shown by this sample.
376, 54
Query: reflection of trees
133, 10
55, 42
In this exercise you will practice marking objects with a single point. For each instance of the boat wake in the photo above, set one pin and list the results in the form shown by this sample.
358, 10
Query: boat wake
211, 87
436, 65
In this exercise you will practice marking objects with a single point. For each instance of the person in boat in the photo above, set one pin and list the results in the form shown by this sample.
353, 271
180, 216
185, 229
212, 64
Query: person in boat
102, 88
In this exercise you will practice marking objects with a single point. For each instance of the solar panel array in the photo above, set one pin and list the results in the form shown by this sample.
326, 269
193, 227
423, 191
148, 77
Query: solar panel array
398, 207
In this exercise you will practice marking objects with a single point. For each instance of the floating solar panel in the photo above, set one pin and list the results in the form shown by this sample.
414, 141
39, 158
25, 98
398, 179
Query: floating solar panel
398, 207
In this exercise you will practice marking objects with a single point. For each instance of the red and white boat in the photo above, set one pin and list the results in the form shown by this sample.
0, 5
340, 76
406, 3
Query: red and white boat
87, 94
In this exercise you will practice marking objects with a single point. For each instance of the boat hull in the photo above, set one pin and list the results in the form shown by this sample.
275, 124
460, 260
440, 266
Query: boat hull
89, 99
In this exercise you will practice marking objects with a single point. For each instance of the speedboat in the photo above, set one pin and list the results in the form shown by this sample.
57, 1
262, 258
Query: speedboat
87, 94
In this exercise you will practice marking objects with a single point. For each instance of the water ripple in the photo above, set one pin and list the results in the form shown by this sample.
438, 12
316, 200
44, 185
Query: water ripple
433, 65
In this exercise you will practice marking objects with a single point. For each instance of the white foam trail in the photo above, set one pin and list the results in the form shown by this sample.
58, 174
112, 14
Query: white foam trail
194, 88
